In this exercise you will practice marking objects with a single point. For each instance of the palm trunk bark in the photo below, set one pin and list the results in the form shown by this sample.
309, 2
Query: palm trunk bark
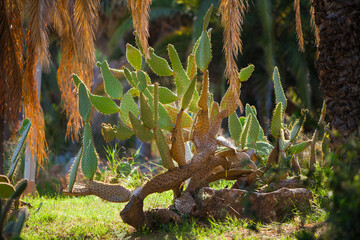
338, 64
2, 140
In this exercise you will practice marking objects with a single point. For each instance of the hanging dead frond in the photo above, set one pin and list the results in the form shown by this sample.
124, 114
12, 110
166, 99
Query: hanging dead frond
76, 26
140, 16
313, 25
299, 32
232, 13
11, 49
86, 17
57, 20
38, 13
67, 66
36, 139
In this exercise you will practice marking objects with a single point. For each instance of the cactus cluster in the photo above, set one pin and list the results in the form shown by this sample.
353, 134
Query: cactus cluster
12, 217
173, 119
247, 133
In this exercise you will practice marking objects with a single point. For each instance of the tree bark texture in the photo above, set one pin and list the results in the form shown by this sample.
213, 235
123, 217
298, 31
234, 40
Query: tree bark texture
2, 140
338, 64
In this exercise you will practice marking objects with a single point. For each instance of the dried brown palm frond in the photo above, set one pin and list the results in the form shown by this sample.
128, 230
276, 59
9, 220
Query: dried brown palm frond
140, 16
77, 50
67, 66
38, 14
75, 21
86, 17
64, 25
312, 22
299, 32
69, 97
232, 13
11, 48
36, 139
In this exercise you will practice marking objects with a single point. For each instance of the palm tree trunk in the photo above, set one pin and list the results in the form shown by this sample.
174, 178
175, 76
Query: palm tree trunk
2, 140
338, 64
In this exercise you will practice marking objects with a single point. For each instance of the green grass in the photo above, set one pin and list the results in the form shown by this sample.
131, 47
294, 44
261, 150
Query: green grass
92, 218
81, 217
64, 217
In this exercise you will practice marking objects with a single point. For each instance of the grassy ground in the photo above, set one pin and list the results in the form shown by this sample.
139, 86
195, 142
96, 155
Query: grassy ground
64, 217
92, 218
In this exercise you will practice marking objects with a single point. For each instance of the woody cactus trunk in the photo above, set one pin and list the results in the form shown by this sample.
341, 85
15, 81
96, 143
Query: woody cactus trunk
172, 119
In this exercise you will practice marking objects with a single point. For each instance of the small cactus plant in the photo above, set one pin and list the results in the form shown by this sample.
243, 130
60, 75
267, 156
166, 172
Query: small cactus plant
12, 218
10, 228
16, 155
172, 119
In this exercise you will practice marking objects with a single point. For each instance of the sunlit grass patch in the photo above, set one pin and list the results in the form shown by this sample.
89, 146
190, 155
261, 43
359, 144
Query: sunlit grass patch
92, 218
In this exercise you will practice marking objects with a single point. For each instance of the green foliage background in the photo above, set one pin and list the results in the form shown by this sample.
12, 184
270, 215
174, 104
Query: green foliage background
344, 185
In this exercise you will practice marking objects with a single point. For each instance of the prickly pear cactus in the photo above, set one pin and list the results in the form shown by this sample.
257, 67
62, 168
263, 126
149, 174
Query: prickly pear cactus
188, 116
